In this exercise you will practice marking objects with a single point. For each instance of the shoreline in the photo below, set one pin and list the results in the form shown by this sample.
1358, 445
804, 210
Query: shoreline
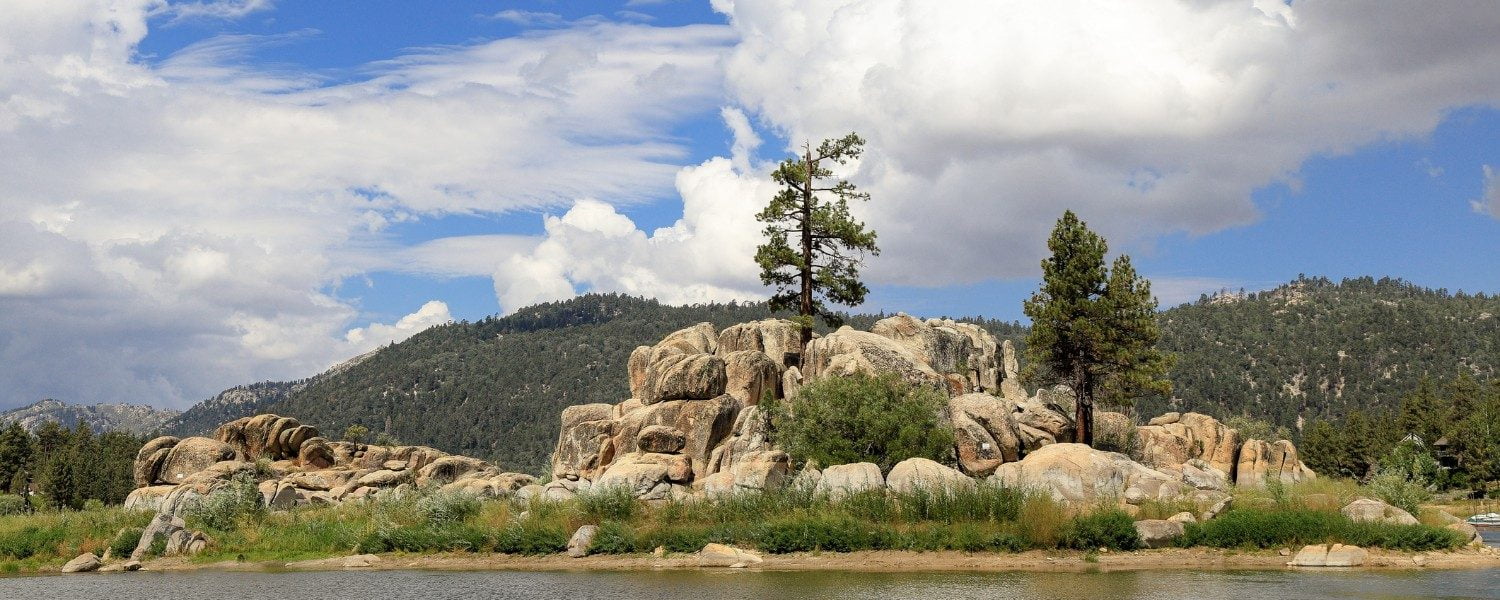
879, 561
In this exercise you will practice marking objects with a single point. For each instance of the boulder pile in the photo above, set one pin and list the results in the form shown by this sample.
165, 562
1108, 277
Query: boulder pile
294, 465
693, 424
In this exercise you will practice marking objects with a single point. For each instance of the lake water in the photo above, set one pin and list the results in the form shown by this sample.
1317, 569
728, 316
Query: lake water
737, 584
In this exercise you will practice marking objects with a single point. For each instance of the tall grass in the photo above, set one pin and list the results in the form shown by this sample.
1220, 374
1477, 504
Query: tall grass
1261, 528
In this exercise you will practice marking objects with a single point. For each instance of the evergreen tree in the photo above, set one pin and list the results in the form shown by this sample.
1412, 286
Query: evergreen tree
16, 454
1092, 330
814, 247
1421, 412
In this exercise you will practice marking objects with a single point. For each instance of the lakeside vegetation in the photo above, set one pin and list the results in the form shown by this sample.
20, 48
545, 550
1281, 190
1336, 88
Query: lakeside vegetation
986, 518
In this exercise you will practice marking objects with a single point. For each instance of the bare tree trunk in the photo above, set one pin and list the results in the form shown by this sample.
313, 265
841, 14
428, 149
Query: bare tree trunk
1083, 406
806, 308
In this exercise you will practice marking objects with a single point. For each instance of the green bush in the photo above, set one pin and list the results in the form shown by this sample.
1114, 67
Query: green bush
883, 420
1111, 529
1256, 528
675, 538
221, 510
613, 538
610, 503
987, 502
1400, 490
424, 538
125, 542
807, 534
12, 504
30, 540
531, 537
441, 508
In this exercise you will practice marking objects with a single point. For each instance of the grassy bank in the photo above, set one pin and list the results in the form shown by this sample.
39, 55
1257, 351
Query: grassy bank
985, 519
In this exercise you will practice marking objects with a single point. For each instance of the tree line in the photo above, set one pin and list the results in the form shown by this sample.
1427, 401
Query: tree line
57, 467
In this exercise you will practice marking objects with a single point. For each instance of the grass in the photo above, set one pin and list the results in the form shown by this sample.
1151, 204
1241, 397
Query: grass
985, 518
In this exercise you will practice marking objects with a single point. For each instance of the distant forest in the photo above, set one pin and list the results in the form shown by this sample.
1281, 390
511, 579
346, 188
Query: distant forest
1311, 349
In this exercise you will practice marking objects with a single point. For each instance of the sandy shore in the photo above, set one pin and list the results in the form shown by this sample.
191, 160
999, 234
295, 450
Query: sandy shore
877, 561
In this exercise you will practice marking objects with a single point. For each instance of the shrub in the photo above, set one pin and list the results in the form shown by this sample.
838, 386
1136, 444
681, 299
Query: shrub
31, 540
226, 506
613, 538
125, 542
840, 420
442, 508
1110, 528
609, 503
12, 504
1255, 528
983, 502
675, 538
93, 504
423, 538
532, 537
806, 534
1398, 490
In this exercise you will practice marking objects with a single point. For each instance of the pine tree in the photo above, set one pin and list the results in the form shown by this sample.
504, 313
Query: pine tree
1422, 412
814, 247
1094, 331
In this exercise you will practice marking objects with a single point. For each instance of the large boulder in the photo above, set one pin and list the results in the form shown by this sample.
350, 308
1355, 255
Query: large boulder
1199, 474
1159, 533
1079, 474
162, 526
148, 460
642, 478
683, 377
316, 453
1259, 461
85, 563
915, 474
703, 423
1365, 510
749, 375
660, 438
1166, 446
1010, 382
778, 339
698, 339
192, 455
720, 555
841, 481
585, 445
1326, 555
762, 470
1469, 532
1046, 418
848, 351
984, 428
583, 538
449, 468
147, 498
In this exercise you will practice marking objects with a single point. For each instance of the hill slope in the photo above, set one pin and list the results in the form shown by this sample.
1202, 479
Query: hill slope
134, 418
1314, 348
495, 388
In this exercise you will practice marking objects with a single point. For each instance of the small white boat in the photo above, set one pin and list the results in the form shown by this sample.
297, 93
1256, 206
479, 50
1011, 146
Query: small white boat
1491, 519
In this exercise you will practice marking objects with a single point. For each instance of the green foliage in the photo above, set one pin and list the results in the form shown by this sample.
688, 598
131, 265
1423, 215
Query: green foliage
70, 466
614, 537
533, 537
227, 506
814, 247
12, 504
1257, 528
31, 540
1400, 490
356, 433
1110, 528
883, 420
1257, 429
125, 542
615, 503
442, 508
1093, 329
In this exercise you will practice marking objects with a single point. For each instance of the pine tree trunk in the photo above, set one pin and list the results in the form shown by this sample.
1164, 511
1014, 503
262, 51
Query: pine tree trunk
1083, 407
806, 275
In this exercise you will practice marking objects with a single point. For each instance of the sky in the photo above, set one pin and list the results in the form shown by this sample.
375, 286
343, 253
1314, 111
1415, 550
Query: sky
199, 194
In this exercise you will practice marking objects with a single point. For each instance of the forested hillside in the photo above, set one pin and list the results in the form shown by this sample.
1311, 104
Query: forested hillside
1315, 348
495, 388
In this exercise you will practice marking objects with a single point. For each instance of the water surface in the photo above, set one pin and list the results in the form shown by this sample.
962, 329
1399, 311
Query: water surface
737, 584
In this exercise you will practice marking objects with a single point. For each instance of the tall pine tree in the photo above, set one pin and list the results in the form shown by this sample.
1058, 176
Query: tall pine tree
814, 247
1091, 329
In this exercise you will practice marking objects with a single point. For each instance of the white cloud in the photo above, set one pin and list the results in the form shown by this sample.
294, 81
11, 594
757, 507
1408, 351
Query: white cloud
1489, 203
167, 231
986, 119
703, 257
215, 9
528, 18
374, 335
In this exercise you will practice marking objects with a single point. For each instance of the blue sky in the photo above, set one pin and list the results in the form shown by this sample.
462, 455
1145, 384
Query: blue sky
238, 190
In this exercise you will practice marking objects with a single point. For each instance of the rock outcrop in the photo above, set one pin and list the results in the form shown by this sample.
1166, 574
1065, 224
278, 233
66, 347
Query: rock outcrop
297, 466
696, 395
1365, 510
1078, 473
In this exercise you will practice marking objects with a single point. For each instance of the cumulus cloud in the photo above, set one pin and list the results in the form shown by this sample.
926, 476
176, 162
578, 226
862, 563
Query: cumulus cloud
986, 119
1489, 203
169, 230
374, 335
